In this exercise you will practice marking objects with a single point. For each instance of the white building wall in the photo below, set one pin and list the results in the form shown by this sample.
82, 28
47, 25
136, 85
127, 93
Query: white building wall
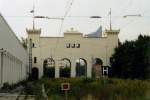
55, 47
0, 69
15, 59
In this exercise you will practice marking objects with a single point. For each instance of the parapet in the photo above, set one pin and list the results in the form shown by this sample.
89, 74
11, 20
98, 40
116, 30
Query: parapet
33, 31
112, 31
72, 32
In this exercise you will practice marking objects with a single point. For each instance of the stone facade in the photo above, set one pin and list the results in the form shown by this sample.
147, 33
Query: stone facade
73, 45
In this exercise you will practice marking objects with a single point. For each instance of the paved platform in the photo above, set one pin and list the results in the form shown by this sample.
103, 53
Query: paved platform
7, 96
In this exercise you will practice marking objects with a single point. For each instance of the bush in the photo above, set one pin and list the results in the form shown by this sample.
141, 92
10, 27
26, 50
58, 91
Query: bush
49, 72
106, 89
65, 72
6, 86
34, 88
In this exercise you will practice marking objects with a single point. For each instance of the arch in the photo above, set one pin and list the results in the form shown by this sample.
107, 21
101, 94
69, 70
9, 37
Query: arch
81, 67
35, 73
67, 60
49, 67
98, 61
97, 68
65, 68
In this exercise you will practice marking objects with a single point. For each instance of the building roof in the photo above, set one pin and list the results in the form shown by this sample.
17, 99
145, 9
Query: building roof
97, 33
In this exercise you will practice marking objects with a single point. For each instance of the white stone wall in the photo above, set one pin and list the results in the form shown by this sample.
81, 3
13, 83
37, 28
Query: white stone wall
15, 59
55, 47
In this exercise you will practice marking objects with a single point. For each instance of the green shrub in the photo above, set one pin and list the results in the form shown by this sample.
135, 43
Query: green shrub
65, 72
6, 86
100, 89
34, 88
49, 72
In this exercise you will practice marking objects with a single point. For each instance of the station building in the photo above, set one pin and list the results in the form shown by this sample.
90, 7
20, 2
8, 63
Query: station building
82, 54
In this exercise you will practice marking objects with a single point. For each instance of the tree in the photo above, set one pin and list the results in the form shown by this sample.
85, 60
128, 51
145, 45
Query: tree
131, 59
24, 42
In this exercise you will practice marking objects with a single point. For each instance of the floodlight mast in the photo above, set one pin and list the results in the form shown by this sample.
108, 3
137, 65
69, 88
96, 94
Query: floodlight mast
134, 15
46, 17
95, 17
60, 18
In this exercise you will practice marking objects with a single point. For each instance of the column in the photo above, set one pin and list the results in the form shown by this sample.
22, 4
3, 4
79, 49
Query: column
89, 67
0, 68
73, 68
40, 68
57, 69
4, 69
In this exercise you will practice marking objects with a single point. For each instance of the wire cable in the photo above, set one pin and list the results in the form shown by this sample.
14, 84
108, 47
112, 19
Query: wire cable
61, 26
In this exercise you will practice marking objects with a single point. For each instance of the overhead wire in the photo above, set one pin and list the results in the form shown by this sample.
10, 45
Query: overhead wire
121, 27
61, 26
146, 11
75, 16
68, 9
123, 10
133, 20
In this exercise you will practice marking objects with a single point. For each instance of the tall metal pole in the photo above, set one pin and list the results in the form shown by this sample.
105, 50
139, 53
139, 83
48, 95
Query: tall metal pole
33, 18
110, 19
66, 95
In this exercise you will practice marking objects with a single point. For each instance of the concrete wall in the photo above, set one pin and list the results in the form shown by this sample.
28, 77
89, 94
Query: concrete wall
55, 47
15, 57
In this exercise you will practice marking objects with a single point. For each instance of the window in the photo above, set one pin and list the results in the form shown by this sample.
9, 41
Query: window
35, 59
73, 46
77, 45
68, 45
33, 45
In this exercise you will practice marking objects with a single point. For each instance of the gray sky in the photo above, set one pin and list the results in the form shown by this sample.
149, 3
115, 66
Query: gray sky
17, 13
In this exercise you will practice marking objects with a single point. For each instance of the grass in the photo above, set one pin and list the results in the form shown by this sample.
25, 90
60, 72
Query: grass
34, 88
99, 89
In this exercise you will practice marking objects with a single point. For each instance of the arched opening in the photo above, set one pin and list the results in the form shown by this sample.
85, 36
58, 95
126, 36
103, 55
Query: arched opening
35, 73
65, 67
81, 67
49, 68
97, 68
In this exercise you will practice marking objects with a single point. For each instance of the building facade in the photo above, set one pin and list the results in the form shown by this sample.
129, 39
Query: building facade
13, 57
73, 50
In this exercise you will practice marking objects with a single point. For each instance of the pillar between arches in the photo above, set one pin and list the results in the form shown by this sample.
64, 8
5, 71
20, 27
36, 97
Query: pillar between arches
73, 68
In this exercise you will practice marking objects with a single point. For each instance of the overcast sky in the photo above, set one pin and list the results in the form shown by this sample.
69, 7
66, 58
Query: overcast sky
17, 13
